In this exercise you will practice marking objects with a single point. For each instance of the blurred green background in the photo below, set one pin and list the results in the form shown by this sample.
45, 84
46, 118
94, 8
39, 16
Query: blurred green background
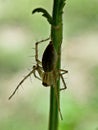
19, 30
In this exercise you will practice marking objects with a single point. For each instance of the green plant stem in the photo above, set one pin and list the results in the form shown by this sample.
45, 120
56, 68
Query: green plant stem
56, 36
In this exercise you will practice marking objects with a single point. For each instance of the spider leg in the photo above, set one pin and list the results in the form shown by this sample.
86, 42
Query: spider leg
63, 82
56, 94
21, 82
63, 71
39, 70
36, 50
36, 75
35, 68
61, 75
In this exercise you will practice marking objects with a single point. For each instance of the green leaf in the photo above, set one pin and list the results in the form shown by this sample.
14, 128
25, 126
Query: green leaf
45, 14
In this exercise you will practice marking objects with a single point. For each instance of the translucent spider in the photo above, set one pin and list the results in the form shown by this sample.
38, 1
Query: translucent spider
46, 69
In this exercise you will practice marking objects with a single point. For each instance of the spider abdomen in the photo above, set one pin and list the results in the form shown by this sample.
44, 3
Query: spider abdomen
49, 58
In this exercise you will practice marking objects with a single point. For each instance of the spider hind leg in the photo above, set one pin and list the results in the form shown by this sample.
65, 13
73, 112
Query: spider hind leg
61, 73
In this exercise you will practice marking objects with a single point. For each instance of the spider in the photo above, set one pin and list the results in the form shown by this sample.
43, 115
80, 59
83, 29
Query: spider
46, 69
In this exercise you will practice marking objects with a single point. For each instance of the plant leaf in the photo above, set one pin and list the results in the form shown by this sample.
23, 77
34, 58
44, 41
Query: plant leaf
45, 14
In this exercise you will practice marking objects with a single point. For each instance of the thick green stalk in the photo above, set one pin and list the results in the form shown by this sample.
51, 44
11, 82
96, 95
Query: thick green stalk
56, 36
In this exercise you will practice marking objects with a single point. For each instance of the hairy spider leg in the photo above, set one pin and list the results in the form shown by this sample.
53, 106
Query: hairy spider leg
35, 68
61, 75
56, 94
20, 83
36, 50
39, 70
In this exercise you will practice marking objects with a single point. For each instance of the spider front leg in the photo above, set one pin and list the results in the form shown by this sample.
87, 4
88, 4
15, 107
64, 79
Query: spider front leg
36, 50
61, 76
35, 68
21, 82
39, 70
38, 62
